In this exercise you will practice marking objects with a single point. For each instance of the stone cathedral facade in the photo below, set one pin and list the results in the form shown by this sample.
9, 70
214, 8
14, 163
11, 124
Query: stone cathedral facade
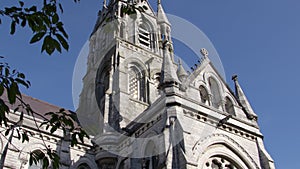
143, 110
146, 111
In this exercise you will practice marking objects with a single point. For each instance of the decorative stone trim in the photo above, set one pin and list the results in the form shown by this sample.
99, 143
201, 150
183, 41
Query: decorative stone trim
137, 49
225, 137
147, 126
139, 132
214, 122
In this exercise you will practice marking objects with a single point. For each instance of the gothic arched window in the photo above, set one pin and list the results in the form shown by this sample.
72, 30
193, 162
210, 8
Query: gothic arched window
204, 95
136, 83
123, 31
146, 36
229, 106
215, 91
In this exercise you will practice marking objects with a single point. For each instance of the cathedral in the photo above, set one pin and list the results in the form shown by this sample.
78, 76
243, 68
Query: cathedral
144, 110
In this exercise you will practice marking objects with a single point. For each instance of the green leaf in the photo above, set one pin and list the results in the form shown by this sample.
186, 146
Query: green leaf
37, 37
57, 45
63, 42
53, 129
45, 163
48, 45
23, 23
21, 3
31, 159
21, 75
60, 27
13, 27
22, 82
55, 18
7, 132
25, 137
12, 93
61, 8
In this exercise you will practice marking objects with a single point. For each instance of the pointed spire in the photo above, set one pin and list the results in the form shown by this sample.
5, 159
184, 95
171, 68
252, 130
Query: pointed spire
161, 15
243, 99
181, 73
168, 72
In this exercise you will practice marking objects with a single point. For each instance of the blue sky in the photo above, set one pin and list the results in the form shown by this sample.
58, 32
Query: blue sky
258, 40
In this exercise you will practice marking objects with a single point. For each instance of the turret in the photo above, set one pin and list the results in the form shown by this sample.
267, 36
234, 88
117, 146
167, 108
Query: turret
181, 73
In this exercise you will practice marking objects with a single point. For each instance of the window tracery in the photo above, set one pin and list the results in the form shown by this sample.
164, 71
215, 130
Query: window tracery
146, 37
136, 84
220, 163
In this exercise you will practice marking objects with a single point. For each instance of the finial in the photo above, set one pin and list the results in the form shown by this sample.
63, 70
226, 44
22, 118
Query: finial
158, 1
104, 3
235, 78
204, 52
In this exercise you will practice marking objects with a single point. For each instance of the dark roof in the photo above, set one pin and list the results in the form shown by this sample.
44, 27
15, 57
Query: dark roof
38, 106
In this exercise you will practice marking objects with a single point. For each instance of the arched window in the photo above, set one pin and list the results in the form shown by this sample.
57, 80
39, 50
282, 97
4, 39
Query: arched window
122, 31
136, 82
83, 166
229, 106
39, 164
204, 95
215, 91
102, 85
146, 36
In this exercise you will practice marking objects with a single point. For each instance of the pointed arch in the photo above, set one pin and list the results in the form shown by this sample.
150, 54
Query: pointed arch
137, 79
229, 106
222, 146
102, 83
216, 97
146, 33
136, 83
123, 31
204, 95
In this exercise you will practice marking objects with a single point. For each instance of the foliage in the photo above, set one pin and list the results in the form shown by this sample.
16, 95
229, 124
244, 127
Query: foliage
10, 80
44, 22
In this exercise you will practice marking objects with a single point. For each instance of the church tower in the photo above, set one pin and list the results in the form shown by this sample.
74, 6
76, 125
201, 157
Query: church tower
145, 111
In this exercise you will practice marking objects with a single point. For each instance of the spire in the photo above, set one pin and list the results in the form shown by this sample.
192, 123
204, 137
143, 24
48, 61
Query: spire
181, 73
161, 15
243, 99
168, 72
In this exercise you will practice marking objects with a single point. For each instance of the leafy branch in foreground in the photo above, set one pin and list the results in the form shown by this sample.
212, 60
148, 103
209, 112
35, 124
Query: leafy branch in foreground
10, 80
44, 22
